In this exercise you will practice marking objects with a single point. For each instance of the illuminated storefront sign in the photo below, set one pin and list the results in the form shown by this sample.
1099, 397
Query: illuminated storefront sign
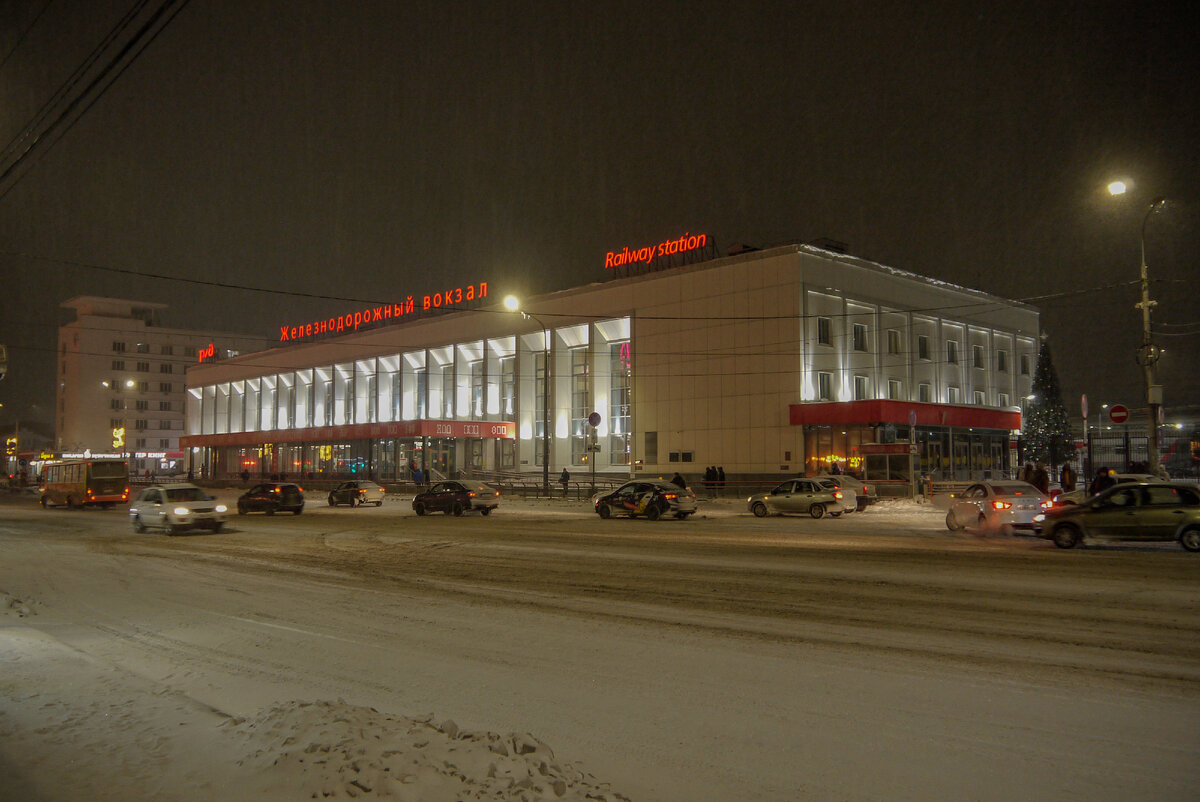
353, 321
626, 256
118, 437
207, 353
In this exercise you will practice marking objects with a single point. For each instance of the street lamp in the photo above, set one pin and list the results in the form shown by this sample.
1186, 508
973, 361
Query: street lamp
512, 304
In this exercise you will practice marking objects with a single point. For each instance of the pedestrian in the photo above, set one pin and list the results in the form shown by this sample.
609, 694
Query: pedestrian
416, 473
564, 479
721, 476
1067, 478
679, 481
837, 469
1041, 478
1026, 473
1103, 481
245, 477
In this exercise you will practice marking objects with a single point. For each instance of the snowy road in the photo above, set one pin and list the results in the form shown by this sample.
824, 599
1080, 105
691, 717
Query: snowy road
725, 657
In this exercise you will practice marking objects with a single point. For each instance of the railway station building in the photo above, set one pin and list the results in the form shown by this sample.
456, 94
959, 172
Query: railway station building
768, 363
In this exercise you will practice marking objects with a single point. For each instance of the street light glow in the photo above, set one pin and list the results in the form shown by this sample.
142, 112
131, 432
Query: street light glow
511, 303
1117, 188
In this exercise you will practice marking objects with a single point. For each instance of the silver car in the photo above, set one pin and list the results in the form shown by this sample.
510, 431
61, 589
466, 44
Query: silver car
798, 496
862, 492
176, 507
1003, 506
1081, 494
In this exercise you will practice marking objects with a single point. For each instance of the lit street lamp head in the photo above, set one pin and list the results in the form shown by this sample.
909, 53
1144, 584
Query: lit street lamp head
1117, 188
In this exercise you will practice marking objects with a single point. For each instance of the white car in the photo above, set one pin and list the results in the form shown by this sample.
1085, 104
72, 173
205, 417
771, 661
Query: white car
998, 506
863, 493
1081, 494
176, 507
356, 493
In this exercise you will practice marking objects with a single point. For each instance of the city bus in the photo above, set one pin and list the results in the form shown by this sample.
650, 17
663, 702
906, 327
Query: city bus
84, 482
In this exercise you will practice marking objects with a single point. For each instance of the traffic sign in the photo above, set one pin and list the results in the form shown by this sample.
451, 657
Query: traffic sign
594, 419
1118, 413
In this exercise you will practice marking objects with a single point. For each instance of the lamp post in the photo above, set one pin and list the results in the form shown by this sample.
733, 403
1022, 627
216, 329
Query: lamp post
512, 304
1148, 353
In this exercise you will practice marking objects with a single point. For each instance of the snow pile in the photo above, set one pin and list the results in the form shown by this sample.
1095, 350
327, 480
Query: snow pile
341, 751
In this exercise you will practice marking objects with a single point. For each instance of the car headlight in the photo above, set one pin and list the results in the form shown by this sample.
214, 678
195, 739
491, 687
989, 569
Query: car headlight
221, 508
1041, 516
182, 511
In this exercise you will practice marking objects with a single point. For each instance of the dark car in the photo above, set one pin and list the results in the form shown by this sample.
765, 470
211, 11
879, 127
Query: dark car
1143, 511
456, 498
651, 498
356, 492
272, 497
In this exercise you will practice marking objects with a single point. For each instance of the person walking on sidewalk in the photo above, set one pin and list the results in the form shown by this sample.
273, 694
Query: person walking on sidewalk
564, 479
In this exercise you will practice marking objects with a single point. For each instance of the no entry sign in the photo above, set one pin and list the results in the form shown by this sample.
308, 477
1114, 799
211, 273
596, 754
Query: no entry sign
1118, 413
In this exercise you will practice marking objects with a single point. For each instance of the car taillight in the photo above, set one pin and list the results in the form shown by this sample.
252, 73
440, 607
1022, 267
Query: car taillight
1001, 505
1047, 504
471, 493
837, 494
669, 496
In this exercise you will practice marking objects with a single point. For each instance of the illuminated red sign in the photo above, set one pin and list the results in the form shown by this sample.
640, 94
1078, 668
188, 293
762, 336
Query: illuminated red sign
626, 256
207, 353
353, 321
1118, 413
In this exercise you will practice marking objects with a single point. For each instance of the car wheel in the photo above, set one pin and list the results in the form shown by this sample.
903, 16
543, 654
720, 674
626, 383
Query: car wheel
817, 510
332, 500
297, 511
43, 502
70, 502
485, 511
457, 509
1190, 539
604, 511
270, 510
981, 522
653, 512
379, 503
835, 515
419, 508
952, 523
1066, 536
241, 508
759, 509
138, 526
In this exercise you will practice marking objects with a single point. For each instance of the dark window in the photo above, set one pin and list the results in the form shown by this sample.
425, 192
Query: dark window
824, 331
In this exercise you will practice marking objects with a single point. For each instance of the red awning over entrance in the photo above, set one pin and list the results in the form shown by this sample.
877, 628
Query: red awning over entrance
358, 431
886, 411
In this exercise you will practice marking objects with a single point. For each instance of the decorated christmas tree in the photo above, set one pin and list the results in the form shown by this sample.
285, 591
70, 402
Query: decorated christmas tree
1046, 429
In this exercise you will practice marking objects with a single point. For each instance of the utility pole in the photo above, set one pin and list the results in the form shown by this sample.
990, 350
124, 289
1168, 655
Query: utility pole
1148, 354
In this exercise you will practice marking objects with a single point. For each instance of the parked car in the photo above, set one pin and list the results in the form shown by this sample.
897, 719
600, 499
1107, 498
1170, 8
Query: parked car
455, 498
652, 498
1080, 494
801, 496
997, 505
272, 497
176, 507
863, 492
355, 493
1141, 511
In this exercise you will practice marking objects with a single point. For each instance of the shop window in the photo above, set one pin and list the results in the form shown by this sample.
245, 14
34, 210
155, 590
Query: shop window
619, 400
581, 405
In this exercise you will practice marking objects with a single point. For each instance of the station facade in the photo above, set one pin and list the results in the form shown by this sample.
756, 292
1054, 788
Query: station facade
767, 363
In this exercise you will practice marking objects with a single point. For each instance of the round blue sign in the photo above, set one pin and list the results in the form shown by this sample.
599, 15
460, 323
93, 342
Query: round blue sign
594, 419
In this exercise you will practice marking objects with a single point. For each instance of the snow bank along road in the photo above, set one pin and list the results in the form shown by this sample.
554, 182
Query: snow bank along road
542, 653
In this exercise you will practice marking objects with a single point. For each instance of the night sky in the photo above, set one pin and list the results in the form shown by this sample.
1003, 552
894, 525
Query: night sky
375, 150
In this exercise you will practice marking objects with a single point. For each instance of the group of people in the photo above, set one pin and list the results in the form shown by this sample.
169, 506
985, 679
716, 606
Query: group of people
1037, 475
714, 478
